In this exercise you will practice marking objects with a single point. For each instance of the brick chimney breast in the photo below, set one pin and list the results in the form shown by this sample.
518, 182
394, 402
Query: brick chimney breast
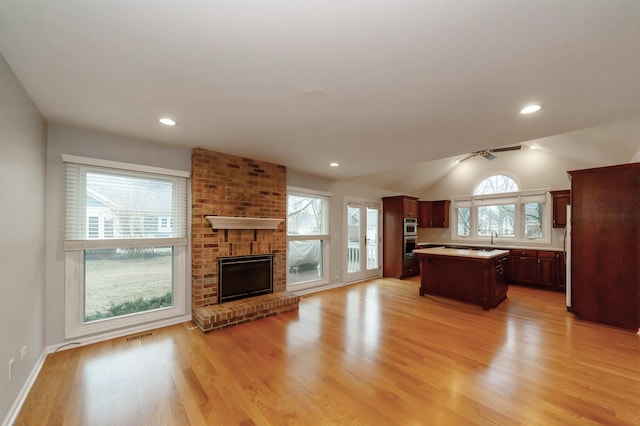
228, 185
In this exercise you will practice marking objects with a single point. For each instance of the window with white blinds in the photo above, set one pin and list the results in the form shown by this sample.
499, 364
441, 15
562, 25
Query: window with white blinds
126, 246
110, 207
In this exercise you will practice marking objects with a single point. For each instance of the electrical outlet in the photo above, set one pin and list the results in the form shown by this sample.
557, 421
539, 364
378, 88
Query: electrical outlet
23, 353
10, 369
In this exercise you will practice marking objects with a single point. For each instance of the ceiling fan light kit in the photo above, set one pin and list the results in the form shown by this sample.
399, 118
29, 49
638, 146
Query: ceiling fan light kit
489, 156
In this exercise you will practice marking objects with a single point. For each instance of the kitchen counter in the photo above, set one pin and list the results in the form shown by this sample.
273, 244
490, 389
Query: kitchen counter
470, 253
497, 246
471, 276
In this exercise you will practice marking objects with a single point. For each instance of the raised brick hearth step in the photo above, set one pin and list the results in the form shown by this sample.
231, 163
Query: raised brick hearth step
216, 317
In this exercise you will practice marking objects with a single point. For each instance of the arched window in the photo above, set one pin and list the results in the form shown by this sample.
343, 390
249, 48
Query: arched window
495, 184
498, 209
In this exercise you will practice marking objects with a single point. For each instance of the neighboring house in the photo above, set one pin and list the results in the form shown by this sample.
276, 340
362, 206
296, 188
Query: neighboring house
116, 213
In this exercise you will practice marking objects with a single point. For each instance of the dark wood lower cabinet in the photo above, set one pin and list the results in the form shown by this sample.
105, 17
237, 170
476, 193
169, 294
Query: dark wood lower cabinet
544, 268
547, 272
410, 267
524, 268
547, 268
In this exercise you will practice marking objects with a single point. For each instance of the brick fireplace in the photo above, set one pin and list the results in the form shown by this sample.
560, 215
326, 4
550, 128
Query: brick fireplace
228, 185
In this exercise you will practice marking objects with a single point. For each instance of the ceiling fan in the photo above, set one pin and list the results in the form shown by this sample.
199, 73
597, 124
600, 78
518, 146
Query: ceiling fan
488, 153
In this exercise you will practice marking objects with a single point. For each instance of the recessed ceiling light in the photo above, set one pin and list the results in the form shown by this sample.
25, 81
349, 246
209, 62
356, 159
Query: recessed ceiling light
534, 146
334, 164
167, 121
456, 161
530, 109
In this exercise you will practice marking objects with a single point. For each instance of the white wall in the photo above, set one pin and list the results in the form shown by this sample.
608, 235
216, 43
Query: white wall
533, 169
64, 139
22, 191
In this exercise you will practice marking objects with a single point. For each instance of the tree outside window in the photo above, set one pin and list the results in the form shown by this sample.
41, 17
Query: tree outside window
306, 233
498, 207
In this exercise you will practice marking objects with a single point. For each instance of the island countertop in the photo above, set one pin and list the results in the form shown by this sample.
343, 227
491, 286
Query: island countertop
501, 246
470, 253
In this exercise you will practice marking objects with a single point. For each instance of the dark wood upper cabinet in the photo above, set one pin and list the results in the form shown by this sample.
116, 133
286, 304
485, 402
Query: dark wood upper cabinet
424, 214
605, 245
410, 207
440, 214
433, 214
560, 200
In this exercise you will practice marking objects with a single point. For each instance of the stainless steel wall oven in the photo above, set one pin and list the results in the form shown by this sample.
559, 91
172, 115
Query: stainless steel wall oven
409, 237
410, 226
409, 245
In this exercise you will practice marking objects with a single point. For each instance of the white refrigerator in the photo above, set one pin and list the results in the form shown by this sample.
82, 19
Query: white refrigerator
567, 256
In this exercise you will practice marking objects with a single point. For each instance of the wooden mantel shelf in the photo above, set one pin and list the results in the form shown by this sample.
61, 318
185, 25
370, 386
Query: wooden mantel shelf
228, 222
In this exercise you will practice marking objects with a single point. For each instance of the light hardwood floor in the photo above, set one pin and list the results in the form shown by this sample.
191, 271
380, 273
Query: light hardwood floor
373, 353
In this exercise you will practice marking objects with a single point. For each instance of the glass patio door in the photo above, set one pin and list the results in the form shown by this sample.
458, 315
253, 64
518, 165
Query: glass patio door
363, 241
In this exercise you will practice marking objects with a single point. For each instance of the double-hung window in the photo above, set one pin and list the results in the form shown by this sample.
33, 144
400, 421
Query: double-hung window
307, 238
125, 245
498, 210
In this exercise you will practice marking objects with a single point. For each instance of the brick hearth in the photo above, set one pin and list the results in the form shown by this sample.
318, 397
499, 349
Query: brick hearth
228, 185
216, 317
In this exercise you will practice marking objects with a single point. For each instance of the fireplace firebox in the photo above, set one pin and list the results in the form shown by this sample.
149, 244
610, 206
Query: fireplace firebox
244, 276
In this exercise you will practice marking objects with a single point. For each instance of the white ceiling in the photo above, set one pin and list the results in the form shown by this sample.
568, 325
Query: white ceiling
372, 84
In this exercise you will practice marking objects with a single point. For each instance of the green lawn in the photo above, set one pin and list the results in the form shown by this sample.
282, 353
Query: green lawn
115, 280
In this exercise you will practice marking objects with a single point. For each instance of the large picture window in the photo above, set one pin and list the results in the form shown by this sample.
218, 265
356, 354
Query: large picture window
125, 245
307, 237
499, 210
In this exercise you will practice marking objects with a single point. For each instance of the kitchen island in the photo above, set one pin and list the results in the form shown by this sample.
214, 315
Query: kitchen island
475, 276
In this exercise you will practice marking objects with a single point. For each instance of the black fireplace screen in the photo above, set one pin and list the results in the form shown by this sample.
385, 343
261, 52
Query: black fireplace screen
244, 276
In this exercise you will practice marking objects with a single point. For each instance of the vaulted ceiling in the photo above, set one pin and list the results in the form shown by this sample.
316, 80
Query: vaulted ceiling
374, 85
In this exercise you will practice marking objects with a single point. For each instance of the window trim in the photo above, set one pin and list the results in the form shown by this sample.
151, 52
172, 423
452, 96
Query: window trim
486, 176
74, 260
325, 238
87, 161
74, 298
518, 198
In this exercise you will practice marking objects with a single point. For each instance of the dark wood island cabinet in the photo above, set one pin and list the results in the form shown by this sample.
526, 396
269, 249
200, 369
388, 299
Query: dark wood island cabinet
472, 276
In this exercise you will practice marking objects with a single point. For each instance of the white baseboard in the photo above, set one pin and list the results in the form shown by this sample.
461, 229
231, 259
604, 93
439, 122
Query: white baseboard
83, 341
22, 395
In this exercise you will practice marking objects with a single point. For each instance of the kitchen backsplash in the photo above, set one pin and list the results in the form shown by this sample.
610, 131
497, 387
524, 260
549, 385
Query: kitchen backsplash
443, 235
